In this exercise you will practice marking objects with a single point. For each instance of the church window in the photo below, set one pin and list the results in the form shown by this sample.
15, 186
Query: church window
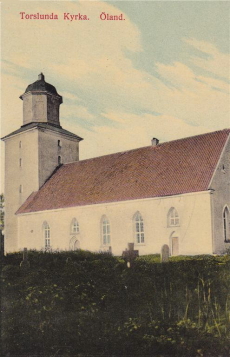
173, 217
46, 229
59, 160
59, 144
20, 189
20, 162
74, 226
139, 228
105, 228
226, 223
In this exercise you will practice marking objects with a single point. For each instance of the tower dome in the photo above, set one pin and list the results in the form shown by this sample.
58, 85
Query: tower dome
41, 85
41, 102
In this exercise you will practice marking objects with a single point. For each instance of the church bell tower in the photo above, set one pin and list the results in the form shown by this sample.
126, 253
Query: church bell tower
34, 151
41, 103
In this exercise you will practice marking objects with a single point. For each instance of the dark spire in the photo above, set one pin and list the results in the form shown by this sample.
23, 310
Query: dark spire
41, 76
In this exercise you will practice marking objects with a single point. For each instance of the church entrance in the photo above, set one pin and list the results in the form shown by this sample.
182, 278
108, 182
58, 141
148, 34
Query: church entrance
74, 244
174, 243
175, 246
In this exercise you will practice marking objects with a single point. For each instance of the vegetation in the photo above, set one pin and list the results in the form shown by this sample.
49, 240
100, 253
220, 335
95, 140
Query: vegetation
85, 304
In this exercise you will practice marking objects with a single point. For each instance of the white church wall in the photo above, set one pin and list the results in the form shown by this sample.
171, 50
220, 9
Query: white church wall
220, 199
193, 232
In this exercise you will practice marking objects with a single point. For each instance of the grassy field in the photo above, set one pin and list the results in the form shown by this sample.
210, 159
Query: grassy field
85, 304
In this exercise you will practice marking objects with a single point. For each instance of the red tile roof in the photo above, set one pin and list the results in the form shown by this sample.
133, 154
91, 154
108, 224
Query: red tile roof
171, 168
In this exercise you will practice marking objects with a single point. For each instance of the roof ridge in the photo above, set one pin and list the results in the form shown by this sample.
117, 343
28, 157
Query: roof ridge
147, 146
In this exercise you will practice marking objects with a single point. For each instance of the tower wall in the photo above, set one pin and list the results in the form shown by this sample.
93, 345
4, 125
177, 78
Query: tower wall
52, 148
21, 179
40, 108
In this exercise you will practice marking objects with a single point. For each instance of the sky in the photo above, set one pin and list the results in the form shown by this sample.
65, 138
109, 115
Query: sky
161, 72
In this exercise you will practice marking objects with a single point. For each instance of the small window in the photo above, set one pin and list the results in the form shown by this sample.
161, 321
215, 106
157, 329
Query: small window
74, 226
59, 144
139, 229
59, 160
105, 228
20, 144
46, 231
20, 162
20, 189
226, 223
173, 218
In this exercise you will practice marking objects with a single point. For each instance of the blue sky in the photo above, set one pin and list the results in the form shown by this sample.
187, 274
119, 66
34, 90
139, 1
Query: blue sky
163, 72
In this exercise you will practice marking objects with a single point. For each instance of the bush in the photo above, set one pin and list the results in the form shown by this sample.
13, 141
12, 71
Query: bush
82, 303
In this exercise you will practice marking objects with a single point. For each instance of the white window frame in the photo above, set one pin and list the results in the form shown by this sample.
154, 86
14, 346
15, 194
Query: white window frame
105, 231
46, 232
173, 218
226, 224
139, 228
74, 227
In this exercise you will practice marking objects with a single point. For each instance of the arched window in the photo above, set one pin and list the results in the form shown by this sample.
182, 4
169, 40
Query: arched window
173, 217
46, 231
74, 228
139, 228
105, 231
226, 222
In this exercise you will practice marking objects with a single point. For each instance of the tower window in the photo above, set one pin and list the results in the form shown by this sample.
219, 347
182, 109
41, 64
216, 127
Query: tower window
20, 189
59, 160
20, 162
59, 144
20, 144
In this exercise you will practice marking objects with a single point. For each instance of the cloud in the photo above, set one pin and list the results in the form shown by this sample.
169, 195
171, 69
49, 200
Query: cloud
91, 66
216, 62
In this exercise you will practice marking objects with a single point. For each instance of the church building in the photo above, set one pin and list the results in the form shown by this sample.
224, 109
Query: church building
175, 193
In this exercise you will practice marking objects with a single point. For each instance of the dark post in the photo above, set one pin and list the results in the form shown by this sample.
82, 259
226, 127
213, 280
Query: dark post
25, 264
130, 254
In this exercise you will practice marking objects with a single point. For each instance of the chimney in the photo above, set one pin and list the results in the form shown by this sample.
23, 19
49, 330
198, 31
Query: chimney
154, 141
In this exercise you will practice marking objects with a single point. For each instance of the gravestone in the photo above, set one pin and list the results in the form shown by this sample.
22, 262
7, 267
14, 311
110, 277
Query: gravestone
25, 264
68, 260
129, 255
165, 253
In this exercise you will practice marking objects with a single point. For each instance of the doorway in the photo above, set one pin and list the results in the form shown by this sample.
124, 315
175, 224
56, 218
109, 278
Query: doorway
175, 245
